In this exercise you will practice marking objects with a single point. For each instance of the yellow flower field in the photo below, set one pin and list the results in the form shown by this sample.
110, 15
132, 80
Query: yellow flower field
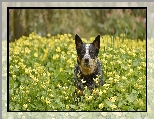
41, 74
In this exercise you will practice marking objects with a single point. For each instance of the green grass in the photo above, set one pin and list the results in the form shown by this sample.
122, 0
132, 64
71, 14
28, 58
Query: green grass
41, 75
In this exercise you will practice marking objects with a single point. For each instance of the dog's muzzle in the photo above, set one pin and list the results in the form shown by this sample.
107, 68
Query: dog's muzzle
86, 60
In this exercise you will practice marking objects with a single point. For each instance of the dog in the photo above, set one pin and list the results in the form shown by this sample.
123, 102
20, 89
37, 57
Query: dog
88, 70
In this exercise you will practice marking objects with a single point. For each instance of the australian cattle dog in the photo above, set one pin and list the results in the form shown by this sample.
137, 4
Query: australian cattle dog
88, 70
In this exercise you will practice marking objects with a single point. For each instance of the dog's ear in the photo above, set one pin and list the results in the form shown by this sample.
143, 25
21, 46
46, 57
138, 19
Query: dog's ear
96, 42
78, 41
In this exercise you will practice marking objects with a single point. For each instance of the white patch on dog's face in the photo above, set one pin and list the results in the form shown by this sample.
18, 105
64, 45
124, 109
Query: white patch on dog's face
87, 49
86, 56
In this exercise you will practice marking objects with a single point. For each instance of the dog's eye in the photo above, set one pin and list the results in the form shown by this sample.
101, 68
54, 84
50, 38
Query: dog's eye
83, 52
91, 52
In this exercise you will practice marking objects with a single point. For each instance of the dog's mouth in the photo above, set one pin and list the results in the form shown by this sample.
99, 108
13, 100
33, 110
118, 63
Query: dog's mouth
87, 64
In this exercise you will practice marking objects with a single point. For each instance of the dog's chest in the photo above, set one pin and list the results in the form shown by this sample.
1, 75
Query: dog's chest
89, 79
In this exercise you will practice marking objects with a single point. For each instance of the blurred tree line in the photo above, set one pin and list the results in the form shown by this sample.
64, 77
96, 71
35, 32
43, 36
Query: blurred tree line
85, 22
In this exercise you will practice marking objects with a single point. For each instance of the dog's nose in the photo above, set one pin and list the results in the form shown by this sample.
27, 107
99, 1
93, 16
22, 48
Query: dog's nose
86, 60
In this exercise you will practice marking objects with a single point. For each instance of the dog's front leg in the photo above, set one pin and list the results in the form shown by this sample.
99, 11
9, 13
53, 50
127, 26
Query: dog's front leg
78, 83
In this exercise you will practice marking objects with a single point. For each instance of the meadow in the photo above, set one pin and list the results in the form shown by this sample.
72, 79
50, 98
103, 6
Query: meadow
41, 74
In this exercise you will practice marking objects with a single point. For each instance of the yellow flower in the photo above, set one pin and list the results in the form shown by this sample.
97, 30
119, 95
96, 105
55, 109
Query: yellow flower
48, 34
65, 87
110, 79
89, 97
96, 80
51, 95
58, 49
100, 93
14, 76
131, 71
124, 78
113, 106
143, 64
85, 87
59, 85
65, 44
119, 62
130, 61
45, 54
35, 54
25, 105
72, 65
109, 56
13, 98
69, 35
67, 106
116, 80
63, 57
43, 85
42, 98
101, 105
61, 69
47, 101
63, 92
68, 53
27, 50
73, 56
122, 51
122, 35
69, 61
79, 92
63, 52
113, 99
140, 102
117, 76
139, 67
106, 85
35, 79
104, 91
21, 87
66, 98
55, 56
78, 75
95, 91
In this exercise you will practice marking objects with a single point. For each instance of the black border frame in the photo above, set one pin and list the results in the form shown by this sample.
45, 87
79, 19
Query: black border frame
67, 8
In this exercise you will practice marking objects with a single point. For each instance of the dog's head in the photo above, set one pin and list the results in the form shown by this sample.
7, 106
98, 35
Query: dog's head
87, 54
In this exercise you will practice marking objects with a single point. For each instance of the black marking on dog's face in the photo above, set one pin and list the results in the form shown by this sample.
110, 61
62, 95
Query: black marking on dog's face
87, 54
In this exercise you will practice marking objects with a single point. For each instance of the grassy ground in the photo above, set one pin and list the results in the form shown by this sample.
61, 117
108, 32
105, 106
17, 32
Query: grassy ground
41, 75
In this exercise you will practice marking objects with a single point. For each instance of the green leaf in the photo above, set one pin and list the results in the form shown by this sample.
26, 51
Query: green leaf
135, 63
108, 102
15, 69
120, 104
16, 84
134, 91
72, 106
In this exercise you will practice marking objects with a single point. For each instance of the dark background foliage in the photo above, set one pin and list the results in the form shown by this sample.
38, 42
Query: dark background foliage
85, 22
